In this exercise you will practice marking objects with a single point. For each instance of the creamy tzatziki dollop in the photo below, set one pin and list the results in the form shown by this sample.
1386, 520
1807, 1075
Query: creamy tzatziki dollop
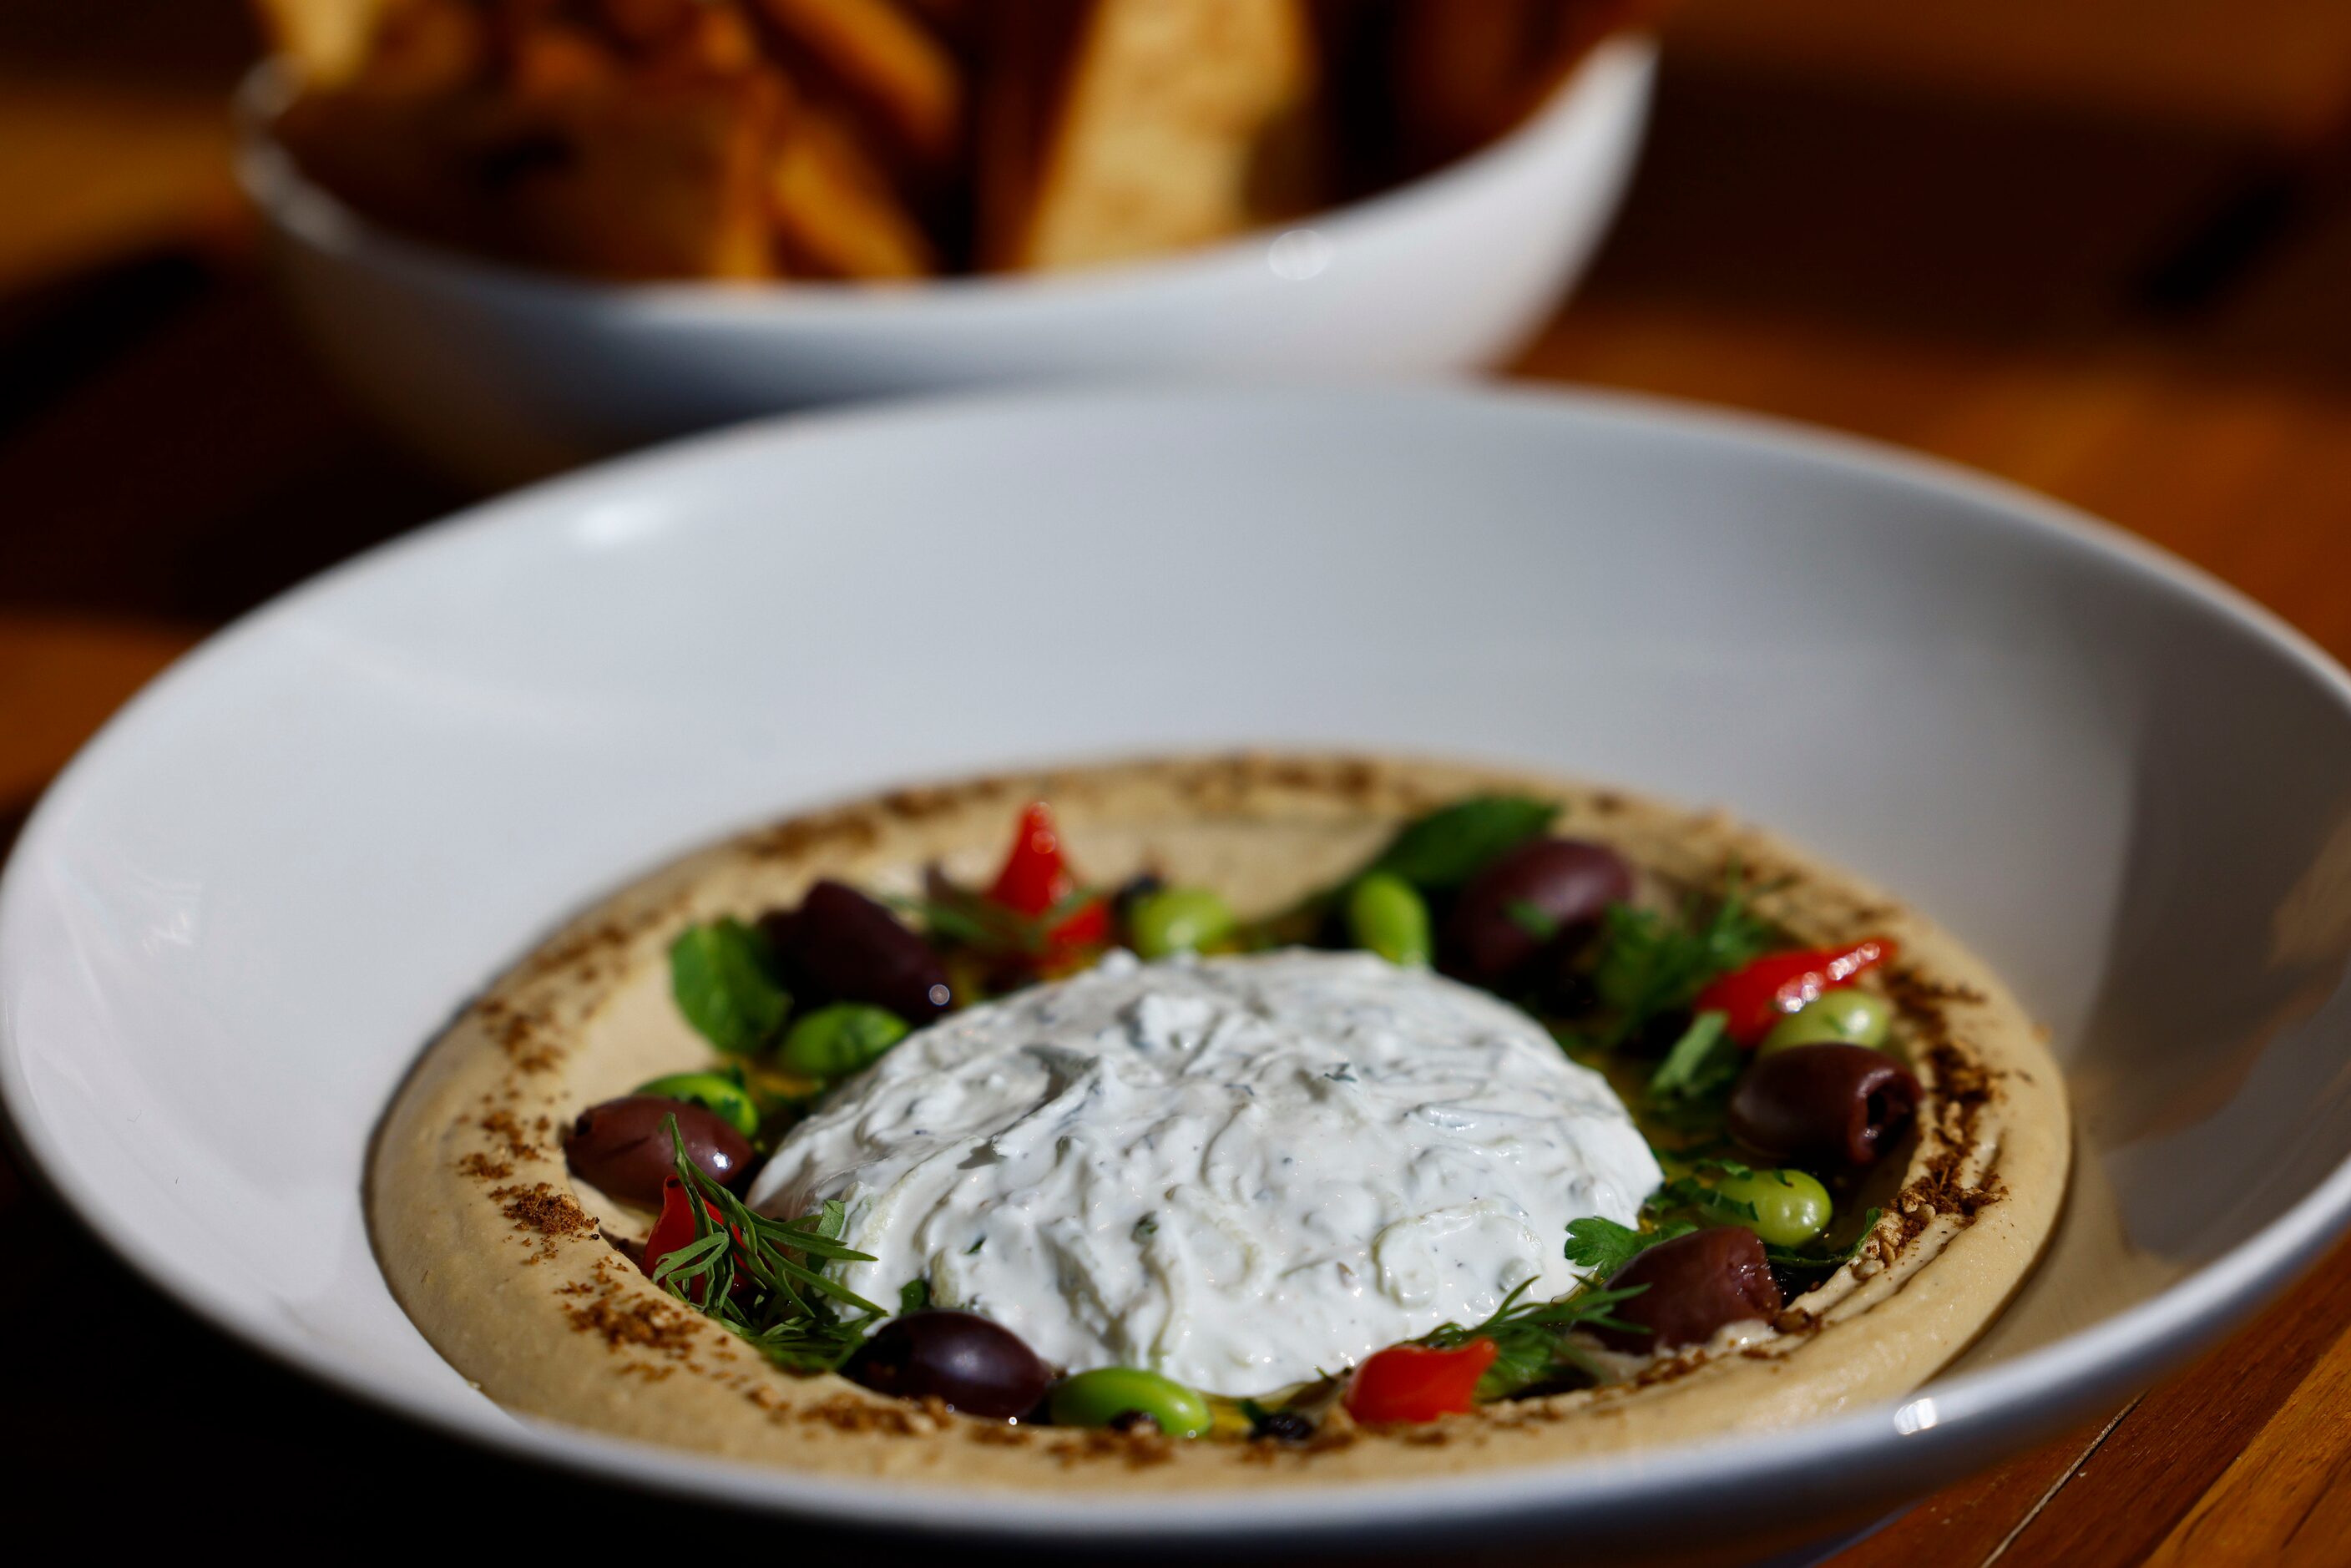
1235, 1172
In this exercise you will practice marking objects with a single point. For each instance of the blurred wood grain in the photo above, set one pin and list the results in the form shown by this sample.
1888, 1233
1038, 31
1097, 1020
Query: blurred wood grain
2098, 247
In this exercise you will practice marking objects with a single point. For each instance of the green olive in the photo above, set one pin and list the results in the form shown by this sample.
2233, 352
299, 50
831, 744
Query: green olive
1177, 920
1842, 1017
714, 1092
1790, 1208
835, 1041
1097, 1399
1387, 915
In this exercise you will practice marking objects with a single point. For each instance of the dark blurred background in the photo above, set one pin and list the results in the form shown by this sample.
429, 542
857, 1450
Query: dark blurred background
2099, 247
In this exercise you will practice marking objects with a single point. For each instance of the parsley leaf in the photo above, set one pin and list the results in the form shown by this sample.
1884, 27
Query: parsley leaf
1453, 843
1651, 963
913, 1296
723, 975
1604, 1247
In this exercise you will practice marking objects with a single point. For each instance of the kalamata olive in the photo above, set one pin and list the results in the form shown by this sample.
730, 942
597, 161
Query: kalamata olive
622, 1147
1822, 1105
840, 945
979, 1367
1695, 1284
1544, 890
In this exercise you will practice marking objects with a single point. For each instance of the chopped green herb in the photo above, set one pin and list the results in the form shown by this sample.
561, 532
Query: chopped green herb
784, 1307
964, 917
1701, 1064
1453, 843
723, 975
1806, 1259
913, 1296
1604, 1247
1531, 919
1530, 1337
1688, 1197
1651, 963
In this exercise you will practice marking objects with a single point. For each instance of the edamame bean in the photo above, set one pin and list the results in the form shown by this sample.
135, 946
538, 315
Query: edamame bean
1097, 1399
1387, 914
1842, 1017
1177, 920
1790, 1208
834, 1041
714, 1092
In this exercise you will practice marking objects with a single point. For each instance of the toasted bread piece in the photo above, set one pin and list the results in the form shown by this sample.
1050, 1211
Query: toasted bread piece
618, 180
1124, 127
835, 211
325, 40
898, 76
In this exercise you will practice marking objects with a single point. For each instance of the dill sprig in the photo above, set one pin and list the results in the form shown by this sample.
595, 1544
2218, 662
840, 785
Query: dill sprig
752, 1274
1530, 1337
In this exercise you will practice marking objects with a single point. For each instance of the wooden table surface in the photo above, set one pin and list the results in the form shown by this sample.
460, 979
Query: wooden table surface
2102, 248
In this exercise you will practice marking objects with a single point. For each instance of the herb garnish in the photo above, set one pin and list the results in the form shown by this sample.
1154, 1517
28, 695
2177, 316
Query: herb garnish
1604, 1247
1530, 1337
1453, 843
971, 919
749, 1274
1651, 964
1701, 1064
724, 978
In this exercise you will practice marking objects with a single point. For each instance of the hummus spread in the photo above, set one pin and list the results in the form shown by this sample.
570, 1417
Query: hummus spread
1128, 1209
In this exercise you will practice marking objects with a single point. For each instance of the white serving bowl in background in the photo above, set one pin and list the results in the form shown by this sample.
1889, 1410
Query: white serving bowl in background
236, 919
499, 373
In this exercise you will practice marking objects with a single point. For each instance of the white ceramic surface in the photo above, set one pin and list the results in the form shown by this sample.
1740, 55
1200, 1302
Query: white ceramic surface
234, 923
500, 374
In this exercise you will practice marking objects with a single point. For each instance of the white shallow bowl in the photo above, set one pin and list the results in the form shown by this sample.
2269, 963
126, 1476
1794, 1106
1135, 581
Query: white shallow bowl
236, 919
499, 373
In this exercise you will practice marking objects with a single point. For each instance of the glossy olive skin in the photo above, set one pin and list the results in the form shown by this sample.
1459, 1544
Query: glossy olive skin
1695, 1284
1546, 891
976, 1367
1386, 915
1100, 1397
1823, 1106
840, 945
1790, 1207
622, 1147
1848, 1015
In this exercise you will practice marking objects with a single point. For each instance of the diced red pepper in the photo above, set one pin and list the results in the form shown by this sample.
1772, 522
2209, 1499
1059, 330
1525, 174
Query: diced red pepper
1413, 1382
674, 1228
1036, 877
1753, 999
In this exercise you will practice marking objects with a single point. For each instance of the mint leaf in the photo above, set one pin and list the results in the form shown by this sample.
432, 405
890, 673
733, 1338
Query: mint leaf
722, 976
1453, 843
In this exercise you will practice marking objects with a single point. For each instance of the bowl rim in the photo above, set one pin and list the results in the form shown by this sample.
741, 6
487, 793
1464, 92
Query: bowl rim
1618, 67
1973, 1417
